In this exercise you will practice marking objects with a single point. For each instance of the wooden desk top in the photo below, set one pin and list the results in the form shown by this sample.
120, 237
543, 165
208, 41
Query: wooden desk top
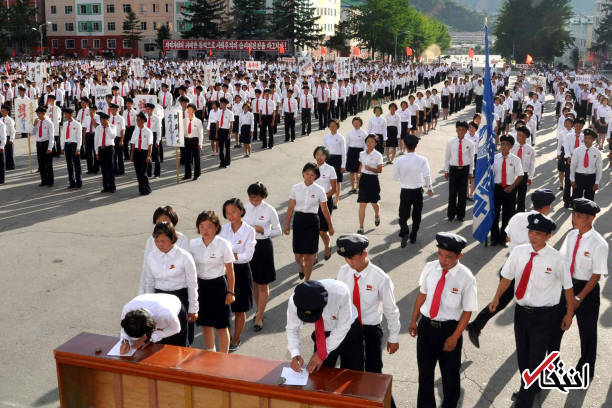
229, 372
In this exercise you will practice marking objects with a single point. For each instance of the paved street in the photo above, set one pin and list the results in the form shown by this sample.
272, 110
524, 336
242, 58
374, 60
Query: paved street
71, 259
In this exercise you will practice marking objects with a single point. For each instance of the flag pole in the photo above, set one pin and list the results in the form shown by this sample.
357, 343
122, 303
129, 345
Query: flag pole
30, 153
176, 156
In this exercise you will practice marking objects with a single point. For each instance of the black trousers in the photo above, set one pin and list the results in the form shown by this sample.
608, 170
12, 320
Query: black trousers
351, 350
584, 186
567, 186
73, 162
352, 107
289, 126
306, 121
192, 154
127, 137
93, 164
322, 109
504, 209
533, 330
256, 119
521, 193
411, 203
118, 164
430, 342
485, 314
106, 162
154, 168
332, 113
57, 147
478, 103
342, 109
457, 191
2, 166
45, 163
184, 338
224, 147
8, 154
140, 165
373, 347
267, 137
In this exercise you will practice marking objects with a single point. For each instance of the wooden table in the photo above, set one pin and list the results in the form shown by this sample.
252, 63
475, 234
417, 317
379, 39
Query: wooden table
169, 376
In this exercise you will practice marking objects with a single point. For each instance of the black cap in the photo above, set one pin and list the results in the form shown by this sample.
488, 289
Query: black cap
68, 110
126, 100
141, 115
590, 132
103, 115
507, 138
41, 109
542, 197
310, 298
411, 140
150, 105
540, 222
289, 90
462, 123
451, 242
223, 100
51, 96
579, 120
85, 99
183, 99
21, 88
113, 106
524, 130
585, 206
351, 244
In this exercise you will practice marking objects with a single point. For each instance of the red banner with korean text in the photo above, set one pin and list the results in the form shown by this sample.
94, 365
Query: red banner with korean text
226, 45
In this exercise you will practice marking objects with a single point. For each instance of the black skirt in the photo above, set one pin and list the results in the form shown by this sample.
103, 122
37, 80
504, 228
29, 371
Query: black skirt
243, 288
236, 125
352, 159
379, 144
369, 189
421, 118
413, 121
322, 222
335, 160
262, 264
211, 297
185, 337
445, 101
435, 110
305, 233
404, 131
212, 133
245, 134
391, 136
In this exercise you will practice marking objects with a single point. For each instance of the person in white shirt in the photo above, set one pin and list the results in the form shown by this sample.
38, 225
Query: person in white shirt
338, 333
540, 274
412, 172
242, 238
141, 150
246, 125
90, 123
336, 144
70, 141
305, 199
152, 318
224, 132
355, 143
562, 133
306, 106
573, 140
54, 113
458, 164
267, 118
154, 124
526, 153
603, 117
194, 137
43, 133
214, 259
9, 124
2, 149
170, 269
378, 126
116, 120
393, 130
370, 166
290, 107
264, 219
328, 180
236, 111
586, 167
442, 310
129, 123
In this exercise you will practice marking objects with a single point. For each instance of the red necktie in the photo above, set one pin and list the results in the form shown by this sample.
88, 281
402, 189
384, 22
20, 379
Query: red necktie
40, 130
435, 303
68, 131
306, 101
356, 297
221, 124
320, 339
113, 120
504, 177
289, 104
122, 91
574, 254
189, 128
140, 139
91, 121
28, 92
197, 103
129, 122
108, 111
586, 158
149, 122
164, 100
257, 106
267, 112
520, 152
115, 99
522, 286
321, 89
103, 137
82, 113
577, 142
460, 152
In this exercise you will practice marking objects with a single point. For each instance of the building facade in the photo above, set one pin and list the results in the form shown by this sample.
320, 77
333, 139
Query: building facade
581, 29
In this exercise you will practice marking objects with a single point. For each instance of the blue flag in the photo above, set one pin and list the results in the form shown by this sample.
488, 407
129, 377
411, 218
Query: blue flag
484, 208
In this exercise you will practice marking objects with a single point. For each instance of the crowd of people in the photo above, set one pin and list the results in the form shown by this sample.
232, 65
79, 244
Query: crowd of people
228, 268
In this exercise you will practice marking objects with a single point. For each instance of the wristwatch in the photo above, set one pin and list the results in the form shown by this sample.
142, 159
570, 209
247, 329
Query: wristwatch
578, 299
230, 293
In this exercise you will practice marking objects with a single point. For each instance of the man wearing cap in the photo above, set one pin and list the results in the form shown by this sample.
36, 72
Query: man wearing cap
306, 105
54, 113
104, 143
267, 109
153, 123
586, 253
224, 133
42, 132
338, 333
141, 150
9, 124
129, 121
116, 120
89, 124
445, 302
526, 153
71, 139
573, 140
256, 102
508, 171
586, 167
458, 162
372, 291
290, 106
540, 273
412, 172
516, 234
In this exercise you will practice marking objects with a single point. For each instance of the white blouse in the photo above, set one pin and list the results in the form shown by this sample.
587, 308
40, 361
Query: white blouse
243, 241
264, 216
210, 260
356, 138
307, 198
372, 159
328, 173
182, 242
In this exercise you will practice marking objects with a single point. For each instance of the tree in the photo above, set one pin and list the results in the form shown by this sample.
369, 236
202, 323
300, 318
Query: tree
535, 28
575, 57
163, 33
340, 41
131, 29
16, 26
248, 19
603, 33
294, 20
204, 19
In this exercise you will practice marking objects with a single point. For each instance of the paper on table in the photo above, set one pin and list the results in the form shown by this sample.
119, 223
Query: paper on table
293, 378
116, 353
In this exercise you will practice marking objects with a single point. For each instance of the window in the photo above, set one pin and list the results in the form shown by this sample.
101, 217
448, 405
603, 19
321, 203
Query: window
54, 27
54, 44
142, 8
111, 43
155, 8
83, 26
143, 25
96, 26
83, 44
167, 8
95, 9
83, 9
69, 26
53, 9
96, 43
155, 25
127, 44
127, 8
149, 47
110, 8
110, 26
68, 9
69, 44
181, 26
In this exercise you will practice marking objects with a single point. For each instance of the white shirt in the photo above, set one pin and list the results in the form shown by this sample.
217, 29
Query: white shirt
264, 216
336, 145
404, 115
375, 296
528, 158
197, 129
372, 159
393, 120
75, 135
10, 127
459, 294
517, 229
304, 99
242, 241
142, 137
164, 309
328, 173
90, 124
412, 171
577, 164
378, 126
290, 102
514, 168
591, 257
108, 134
307, 198
570, 142
451, 156
356, 138
549, 273
338, 316
171, 271
182, 242
226, 117
210, 260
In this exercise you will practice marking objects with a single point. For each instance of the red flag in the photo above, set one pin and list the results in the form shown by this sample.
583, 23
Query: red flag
210, 53
281, 49
356, 52
591, 57
470, 53
418, 57
323, 52
8, 66
85, 52
250, 50
38, 49
529, 59
14, 52
408, 51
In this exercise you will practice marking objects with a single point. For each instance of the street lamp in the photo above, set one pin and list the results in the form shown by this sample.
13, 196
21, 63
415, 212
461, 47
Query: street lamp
40, 31
395, 46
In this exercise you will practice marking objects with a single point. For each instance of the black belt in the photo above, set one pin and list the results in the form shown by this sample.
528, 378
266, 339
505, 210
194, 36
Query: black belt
585, 174
438, 325
534, 309
459, 167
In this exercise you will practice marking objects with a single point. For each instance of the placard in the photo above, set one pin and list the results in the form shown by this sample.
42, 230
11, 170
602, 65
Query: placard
24, 115
211, 74
584, 79
174, 128
37, 71
342, 68
100, 93
253, 65
137, 67
306, 67
142, 99
522, 66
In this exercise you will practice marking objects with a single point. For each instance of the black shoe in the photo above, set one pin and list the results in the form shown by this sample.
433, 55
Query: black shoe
41, 185
71, 186
234, 347
105, 190
514, 396
404, 242
196, 178
257, 328
413, 236
451, 218
560, 188
301, 275
335, 207
360, 231
186, 178
460, 219
473, 335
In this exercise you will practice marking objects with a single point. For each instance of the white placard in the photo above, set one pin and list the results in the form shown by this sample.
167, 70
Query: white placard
116, 351
253, 65
137, 67
100, 93
142, 99
25, 114
37, 71
342, 68
174, 128
584, 79
211, 74
306, 67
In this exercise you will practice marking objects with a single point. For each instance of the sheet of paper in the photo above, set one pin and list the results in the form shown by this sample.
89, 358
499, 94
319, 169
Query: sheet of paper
293, 378
116, 353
